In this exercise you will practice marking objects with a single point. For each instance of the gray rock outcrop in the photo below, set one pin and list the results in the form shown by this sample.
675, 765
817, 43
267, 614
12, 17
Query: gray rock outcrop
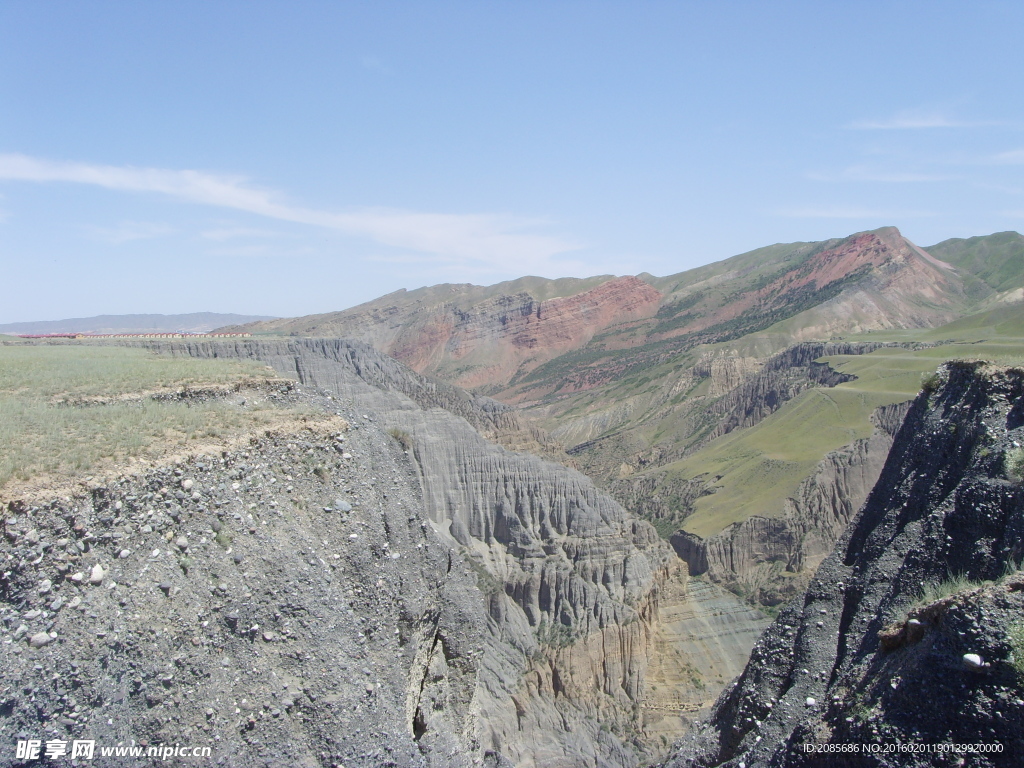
244, 617
568, 590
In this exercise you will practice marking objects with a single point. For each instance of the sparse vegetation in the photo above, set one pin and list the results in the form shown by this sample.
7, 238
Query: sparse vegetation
69, 409
860, 712
951, 585
403, 438
1014, 463
930, 382
555, 635
485, 581
695, 677
1016, 637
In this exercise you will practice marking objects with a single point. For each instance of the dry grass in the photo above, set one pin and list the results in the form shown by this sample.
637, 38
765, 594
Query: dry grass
54, 371
71, 410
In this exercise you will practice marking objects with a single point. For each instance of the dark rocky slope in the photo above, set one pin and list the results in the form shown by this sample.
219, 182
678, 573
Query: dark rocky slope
862, 659
216, 602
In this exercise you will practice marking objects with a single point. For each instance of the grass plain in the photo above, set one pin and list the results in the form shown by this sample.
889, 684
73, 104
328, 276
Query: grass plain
68, 409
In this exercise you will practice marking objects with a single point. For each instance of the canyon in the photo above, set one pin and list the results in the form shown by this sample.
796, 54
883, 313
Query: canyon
546, 522
629, 379
502, 608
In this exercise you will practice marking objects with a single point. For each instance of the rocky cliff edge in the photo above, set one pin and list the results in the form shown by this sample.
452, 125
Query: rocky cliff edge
909, 638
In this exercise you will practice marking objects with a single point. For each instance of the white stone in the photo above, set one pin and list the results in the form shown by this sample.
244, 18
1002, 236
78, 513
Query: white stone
974, 661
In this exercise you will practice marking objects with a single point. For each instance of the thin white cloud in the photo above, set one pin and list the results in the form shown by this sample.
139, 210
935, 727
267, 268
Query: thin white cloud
850, 212
863, 173
494, 239
1013, 157
911, 120
235, 233
373, 63
257, 250
127, 231
1006, 189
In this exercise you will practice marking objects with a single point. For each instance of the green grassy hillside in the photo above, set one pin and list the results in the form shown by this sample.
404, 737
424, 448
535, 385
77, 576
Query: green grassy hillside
994, 263
759, 467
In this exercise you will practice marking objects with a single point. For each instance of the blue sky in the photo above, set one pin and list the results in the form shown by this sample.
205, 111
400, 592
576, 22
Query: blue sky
295, 157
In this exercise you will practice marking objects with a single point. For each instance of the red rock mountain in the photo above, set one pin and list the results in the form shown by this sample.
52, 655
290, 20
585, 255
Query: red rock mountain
531, 336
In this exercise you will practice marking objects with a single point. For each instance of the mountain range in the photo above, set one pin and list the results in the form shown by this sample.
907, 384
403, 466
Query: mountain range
744, 407
193, 322
532, 338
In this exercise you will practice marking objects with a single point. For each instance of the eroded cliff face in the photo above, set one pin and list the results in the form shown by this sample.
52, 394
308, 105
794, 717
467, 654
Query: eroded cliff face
512, 335
487, 342
782, 378
572, 587
745, 393
885, 648
761, 556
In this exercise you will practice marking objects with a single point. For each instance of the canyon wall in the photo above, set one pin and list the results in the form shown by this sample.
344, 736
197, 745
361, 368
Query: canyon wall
921, 600
573, 586
750, 556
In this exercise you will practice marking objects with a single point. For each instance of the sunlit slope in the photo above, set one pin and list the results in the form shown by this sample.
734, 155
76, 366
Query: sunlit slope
759, 467
990, 264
